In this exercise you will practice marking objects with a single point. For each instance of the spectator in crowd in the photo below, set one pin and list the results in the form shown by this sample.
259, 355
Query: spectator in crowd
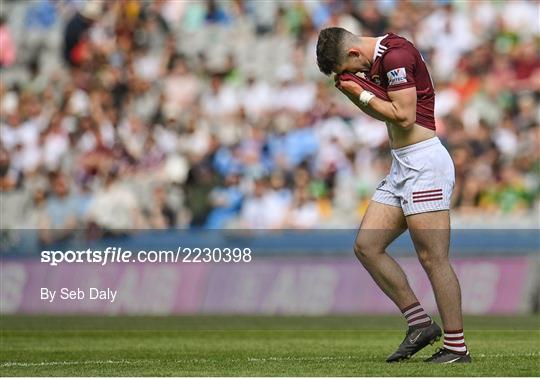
226, 202
264, 208
162, 214
304, 213
114, 208
77, 44
60, 220
8, 52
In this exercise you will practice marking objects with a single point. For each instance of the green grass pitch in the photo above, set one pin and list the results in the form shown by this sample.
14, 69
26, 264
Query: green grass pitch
252, 346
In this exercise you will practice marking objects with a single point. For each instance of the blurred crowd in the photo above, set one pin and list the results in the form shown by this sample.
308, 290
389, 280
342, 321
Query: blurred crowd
121, 115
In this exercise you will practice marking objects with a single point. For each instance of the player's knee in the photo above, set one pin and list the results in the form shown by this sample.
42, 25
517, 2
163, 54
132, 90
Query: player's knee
431, 261
363, 250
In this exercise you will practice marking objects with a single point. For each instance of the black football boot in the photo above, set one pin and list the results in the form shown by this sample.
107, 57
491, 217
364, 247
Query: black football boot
416, 338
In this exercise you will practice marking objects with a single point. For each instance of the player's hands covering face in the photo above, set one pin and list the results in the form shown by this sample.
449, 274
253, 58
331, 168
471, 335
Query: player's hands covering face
348, 86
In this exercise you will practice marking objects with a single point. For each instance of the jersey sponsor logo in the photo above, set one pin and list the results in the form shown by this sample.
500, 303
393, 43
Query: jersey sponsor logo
397, 76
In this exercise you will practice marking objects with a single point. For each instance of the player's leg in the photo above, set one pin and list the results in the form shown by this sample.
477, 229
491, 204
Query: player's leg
428, 173
430, 233
381, 225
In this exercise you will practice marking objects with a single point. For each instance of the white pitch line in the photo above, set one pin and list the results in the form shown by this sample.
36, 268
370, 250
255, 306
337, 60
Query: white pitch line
506, 355
249, 359
300, 358
534, 354
63, 363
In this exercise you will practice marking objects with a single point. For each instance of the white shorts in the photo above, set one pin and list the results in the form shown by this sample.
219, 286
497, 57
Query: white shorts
421, 178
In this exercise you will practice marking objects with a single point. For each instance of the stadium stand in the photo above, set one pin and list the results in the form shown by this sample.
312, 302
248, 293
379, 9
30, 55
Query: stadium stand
166, 114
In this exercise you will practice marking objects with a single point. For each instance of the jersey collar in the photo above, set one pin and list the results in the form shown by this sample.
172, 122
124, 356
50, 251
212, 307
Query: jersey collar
379, 49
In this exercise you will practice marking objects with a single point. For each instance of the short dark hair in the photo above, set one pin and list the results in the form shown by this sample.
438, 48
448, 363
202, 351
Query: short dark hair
330, 47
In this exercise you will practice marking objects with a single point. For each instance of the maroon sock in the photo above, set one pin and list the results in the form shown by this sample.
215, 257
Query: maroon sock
454, 340
415, 315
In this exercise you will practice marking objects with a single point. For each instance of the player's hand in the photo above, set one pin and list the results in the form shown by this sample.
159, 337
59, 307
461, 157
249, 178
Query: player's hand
350, 87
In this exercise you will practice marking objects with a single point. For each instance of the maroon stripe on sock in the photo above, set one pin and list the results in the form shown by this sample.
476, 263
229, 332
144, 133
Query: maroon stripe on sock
410, 307
415, 312
453, 338
454, 331
418, 318
454, 344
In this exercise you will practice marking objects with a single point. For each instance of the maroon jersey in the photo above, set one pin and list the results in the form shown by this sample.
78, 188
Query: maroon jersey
397, 64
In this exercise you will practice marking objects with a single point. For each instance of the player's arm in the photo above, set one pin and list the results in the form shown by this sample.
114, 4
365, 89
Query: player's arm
401, 109
356, 101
